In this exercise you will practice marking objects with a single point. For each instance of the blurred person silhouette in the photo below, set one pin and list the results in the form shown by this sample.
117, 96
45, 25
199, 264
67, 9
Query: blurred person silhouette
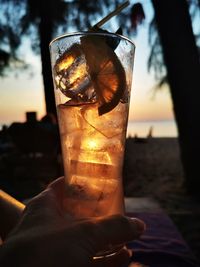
150, 133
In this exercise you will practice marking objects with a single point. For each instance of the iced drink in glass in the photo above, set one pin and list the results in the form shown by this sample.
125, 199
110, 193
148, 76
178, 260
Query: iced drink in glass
92, 75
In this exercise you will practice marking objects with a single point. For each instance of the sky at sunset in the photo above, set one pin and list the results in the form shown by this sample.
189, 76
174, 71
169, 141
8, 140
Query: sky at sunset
25, 93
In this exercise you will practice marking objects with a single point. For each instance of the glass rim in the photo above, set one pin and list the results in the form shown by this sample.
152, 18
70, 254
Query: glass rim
81, 33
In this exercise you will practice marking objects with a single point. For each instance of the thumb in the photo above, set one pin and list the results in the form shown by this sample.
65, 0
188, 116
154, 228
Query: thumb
49, 201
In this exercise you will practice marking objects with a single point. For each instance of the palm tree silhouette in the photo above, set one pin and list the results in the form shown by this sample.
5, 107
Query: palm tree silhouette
40, 20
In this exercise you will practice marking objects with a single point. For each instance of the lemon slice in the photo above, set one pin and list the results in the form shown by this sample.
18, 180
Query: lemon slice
106, 72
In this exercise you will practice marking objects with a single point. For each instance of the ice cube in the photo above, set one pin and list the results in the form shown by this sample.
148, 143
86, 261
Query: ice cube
93, 170
88, 197
70, 119
91, 188
72, 77
110, 124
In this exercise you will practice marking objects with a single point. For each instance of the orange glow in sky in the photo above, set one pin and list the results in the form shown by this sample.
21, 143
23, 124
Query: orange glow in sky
18, 95
21, 94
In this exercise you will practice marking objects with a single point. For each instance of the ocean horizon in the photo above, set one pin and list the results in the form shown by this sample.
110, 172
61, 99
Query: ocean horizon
163, 128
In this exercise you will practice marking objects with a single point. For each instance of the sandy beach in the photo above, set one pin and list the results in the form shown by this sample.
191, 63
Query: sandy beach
152, 168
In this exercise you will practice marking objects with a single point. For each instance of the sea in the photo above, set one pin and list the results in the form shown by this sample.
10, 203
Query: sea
164, 128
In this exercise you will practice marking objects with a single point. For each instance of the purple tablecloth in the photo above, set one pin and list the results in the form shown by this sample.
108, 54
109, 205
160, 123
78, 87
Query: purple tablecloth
161, 245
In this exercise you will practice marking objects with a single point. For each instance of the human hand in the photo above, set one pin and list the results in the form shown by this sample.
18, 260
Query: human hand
46, 237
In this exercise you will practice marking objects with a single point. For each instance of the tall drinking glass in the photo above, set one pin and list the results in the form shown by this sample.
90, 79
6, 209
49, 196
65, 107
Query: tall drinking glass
92, 75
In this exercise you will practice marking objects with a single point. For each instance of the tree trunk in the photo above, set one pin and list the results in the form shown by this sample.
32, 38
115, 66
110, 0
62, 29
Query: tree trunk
45, 33
183, 70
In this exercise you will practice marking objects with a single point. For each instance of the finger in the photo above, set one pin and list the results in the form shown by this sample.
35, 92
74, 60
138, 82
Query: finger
113, 230
58, 187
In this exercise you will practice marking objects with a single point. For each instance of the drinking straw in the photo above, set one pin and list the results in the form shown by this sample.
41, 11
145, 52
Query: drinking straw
112, 14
